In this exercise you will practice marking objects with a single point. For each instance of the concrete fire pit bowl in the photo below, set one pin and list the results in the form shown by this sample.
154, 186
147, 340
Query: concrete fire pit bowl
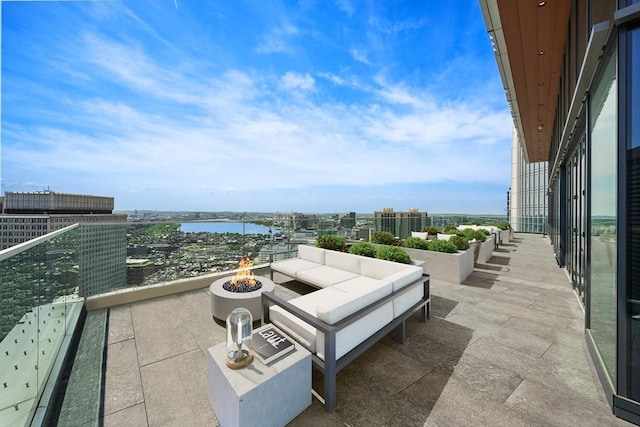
224, 302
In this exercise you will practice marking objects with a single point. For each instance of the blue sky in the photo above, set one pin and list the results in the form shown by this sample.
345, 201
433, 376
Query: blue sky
307, 106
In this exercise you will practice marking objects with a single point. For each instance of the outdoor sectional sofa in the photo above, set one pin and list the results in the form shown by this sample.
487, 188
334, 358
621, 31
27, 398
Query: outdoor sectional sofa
359, 300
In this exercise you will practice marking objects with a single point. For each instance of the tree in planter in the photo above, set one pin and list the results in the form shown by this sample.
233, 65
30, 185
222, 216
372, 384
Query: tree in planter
443, 246
331, 242
385, 238
363, 248
416, 243
393, 253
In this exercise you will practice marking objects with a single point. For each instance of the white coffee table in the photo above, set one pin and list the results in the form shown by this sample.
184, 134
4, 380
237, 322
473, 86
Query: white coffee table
259, 394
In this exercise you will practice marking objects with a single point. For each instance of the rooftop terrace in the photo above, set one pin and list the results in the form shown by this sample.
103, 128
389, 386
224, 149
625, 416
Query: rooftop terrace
505, 348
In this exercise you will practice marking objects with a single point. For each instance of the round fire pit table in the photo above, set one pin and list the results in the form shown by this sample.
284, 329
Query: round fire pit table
224, 302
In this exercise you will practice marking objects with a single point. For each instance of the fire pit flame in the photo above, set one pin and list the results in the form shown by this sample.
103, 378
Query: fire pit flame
244, 280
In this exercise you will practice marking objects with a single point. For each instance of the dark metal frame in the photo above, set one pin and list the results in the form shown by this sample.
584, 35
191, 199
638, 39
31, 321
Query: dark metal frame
330, 366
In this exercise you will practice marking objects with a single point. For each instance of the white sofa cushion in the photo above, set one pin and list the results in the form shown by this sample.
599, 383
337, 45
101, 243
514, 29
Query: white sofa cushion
351, 336
311, 253
360, 292
442, 236
343, 261
403, 302
324, 276
380, 268
291, 266
299, 330
419, 234
398, 274
405, 277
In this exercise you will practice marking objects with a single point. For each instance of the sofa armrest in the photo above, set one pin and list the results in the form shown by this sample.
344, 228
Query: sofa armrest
269, 298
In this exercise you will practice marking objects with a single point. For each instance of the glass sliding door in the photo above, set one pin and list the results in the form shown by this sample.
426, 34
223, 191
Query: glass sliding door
576, 216
632, 321
603, 232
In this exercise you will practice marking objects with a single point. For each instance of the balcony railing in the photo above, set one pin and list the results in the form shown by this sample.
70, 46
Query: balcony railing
39, 306
43, 285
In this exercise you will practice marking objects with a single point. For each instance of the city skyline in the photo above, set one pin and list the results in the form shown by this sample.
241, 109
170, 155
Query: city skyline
177, 106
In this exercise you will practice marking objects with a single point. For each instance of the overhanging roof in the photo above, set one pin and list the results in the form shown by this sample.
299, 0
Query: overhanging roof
529, 38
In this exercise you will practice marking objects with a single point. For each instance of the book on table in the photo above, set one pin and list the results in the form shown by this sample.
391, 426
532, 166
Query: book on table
270, 344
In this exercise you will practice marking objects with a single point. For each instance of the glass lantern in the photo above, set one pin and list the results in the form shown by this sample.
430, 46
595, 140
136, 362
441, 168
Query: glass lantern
239, 344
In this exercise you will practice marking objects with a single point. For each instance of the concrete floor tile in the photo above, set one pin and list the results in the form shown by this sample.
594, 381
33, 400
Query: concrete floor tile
123, 387
485, 378
160, 329
460, 405
175, 391
120, 324
559, 408
133, 416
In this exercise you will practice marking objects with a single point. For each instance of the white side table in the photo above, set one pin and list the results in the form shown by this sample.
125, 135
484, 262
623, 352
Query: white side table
259, 395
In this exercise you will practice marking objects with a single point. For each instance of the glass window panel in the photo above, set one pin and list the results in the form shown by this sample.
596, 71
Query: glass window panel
603, 211
633, 218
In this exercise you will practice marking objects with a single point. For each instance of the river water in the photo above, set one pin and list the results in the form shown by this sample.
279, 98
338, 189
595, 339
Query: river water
225, 227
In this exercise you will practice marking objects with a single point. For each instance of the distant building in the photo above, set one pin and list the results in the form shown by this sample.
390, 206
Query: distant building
400, 224
138, 270
348, 220
26, 215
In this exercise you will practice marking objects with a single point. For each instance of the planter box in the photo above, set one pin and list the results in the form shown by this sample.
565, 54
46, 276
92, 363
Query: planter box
454, 268
486, 249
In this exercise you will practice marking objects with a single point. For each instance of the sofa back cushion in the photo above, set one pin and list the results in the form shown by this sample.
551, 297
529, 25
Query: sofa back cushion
343, 261
419, 234
380, 268
311, 253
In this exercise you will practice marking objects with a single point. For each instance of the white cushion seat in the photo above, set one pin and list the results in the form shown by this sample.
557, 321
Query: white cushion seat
299, 330
289, 267
324, 276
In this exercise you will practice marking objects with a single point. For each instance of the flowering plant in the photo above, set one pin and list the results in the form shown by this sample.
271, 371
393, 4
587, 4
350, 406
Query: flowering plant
331, 242
385, 238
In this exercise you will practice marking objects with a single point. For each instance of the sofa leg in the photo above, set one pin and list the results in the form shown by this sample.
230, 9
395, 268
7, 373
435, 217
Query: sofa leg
330, 391
399, 333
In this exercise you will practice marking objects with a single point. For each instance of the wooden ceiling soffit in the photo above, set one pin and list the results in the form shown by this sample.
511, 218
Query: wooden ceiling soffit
535, 36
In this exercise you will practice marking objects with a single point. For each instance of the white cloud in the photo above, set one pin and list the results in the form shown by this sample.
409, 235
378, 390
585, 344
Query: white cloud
292, 80
346, 6
277, 40
360, 56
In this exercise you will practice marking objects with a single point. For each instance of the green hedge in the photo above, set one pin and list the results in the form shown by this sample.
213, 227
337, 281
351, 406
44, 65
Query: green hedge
393, 253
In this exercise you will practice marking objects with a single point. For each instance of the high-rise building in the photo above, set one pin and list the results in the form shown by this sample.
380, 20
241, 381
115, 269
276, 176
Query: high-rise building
400, 224
27, 215
571, 71
528, 194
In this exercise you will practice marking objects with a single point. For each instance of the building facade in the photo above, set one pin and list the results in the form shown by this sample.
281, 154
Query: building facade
571, 71
400, 224
27, 215
527, 203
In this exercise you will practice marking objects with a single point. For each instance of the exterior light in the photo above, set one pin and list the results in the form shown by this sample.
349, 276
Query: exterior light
541, 52
540, 127
541, 3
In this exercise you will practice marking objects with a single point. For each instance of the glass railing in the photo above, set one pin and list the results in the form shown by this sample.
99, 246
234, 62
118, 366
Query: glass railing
39, 304
43, 283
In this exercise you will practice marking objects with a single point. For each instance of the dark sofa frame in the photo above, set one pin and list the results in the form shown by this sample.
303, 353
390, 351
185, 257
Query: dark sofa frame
330, 366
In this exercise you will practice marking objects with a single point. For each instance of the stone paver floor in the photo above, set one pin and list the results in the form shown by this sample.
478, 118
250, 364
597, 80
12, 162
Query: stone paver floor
505, 348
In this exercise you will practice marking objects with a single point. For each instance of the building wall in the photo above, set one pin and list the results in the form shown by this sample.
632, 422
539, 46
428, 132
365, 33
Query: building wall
16, 229
594, 204
528, 199
400, 224
50, 201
